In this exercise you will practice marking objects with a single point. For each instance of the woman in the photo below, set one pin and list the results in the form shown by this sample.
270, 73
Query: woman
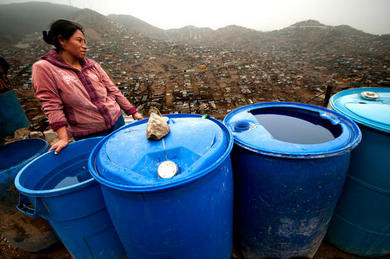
76, 94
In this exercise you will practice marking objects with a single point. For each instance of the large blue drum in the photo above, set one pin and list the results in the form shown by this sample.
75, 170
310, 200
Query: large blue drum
290, 161
60, 189
20, 230
171, 198
361, 224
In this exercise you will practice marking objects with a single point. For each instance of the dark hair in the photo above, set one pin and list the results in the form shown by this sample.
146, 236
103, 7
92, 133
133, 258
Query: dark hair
63, 28
4, 64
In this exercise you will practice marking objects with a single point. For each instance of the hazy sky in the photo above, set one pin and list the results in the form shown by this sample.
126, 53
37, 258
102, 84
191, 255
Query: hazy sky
368, 15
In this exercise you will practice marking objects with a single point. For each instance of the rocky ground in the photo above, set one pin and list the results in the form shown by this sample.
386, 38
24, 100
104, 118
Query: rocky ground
58, 251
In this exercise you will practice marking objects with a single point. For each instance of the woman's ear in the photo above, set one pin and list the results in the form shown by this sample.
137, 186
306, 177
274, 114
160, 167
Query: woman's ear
61, 40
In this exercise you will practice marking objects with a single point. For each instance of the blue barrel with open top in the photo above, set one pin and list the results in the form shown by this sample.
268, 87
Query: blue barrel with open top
22, 231
60, 189
289, 161
170, 198
14, 156
361, 223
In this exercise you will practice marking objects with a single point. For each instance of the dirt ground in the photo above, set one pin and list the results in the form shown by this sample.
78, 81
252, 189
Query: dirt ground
58, 251
9, 251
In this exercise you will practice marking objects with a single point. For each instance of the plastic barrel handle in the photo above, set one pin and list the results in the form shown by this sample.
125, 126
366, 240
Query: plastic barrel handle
23, 205
327, 116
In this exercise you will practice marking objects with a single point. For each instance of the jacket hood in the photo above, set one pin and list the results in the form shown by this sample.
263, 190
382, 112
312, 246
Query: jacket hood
57, 60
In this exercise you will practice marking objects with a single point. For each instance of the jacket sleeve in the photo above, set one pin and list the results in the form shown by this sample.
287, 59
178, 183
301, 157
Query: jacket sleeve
46, 91
114, 92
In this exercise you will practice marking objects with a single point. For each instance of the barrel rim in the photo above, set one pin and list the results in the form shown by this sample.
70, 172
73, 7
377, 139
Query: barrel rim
57, 191
356, 138
151, 188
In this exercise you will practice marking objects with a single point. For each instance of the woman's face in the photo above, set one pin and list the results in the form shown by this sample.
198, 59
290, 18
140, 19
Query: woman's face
75, 45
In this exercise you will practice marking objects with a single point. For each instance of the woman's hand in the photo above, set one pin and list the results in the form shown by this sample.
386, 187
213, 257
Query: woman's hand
138, 116
58, 146
63, 142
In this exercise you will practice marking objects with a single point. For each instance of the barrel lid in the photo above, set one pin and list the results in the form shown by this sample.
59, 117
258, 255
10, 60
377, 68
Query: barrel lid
292, 130
368, 106
127, 160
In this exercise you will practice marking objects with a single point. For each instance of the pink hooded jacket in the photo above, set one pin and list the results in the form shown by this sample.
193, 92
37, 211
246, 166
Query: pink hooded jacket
85, 101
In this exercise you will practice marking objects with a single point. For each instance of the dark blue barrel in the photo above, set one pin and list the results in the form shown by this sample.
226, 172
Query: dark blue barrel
14, 156
12, 116
23, 232
60, 189
182, 208
361, 223
290, 161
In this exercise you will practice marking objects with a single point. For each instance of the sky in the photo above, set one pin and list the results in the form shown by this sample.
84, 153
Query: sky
371, 16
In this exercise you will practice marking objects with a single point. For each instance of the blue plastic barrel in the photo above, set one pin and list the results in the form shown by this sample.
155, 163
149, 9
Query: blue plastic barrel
289, 161
361, 223
60, 189
28, 234
12, 116
14, 156
177, 209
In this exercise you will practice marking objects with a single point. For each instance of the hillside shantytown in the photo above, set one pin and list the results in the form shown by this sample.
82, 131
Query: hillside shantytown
294, 64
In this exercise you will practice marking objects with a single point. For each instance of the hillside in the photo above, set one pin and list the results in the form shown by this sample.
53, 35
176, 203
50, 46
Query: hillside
137, 25
312, 36
191, 34
17, 20
95, 24
309, 35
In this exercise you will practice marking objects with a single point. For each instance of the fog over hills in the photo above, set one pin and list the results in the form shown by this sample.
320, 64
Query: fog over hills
136, 24
95, 24
17, 20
